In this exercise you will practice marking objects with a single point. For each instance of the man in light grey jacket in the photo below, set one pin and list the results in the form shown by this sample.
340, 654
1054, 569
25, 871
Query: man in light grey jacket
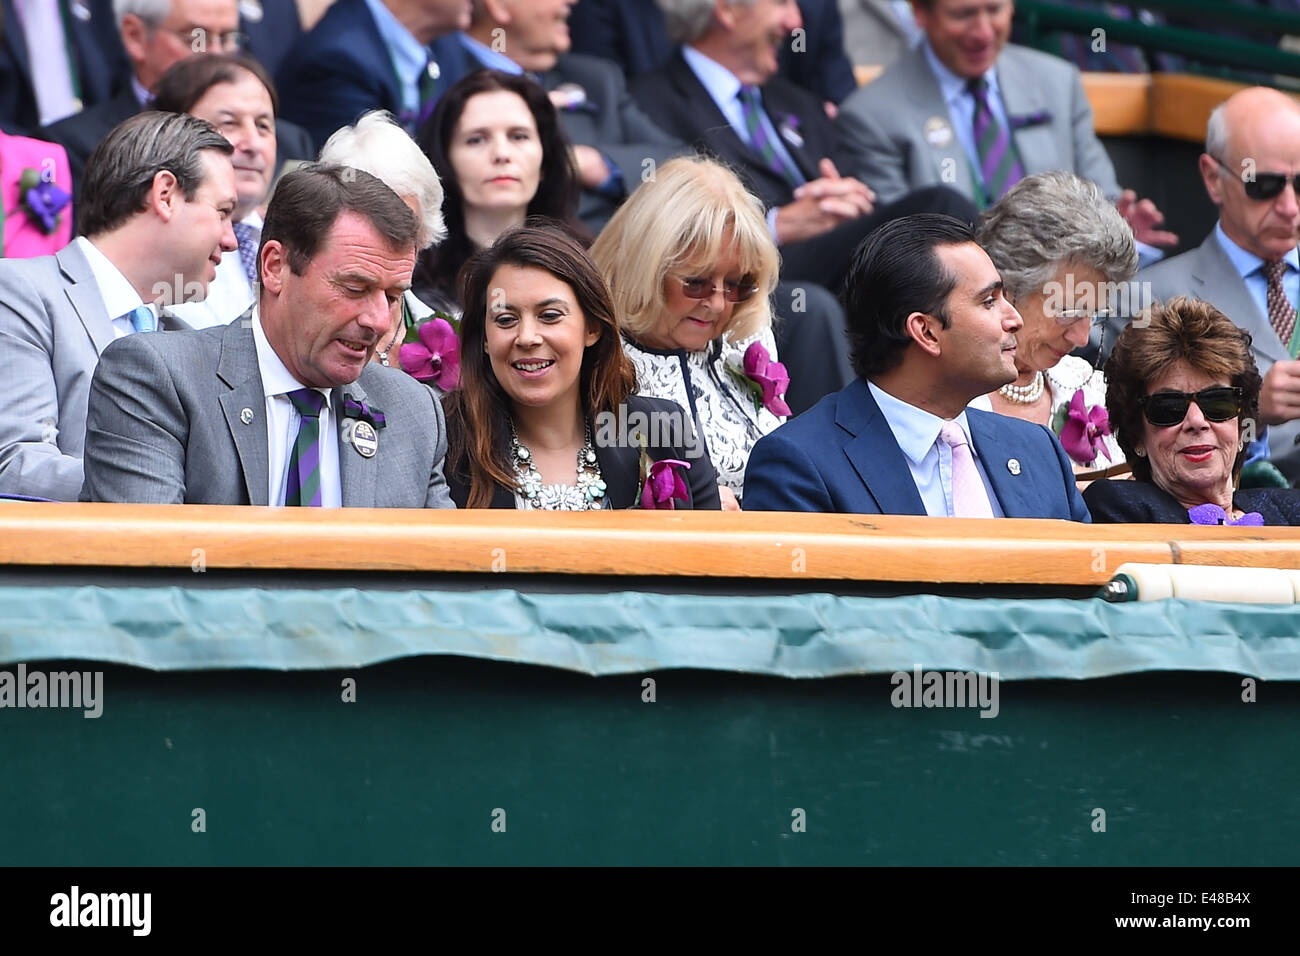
159, 194
283, 405
968, 110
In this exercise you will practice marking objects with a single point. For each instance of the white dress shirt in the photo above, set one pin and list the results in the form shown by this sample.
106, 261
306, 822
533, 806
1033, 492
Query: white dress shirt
929, 460
282, 421
229, 294
118, 295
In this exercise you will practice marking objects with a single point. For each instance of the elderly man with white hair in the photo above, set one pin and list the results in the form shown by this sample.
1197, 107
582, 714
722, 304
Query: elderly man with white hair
375, 144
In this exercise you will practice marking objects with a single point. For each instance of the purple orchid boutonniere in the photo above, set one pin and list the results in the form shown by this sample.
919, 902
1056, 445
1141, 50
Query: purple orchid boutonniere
1083, 431
1213, 514
435, 358
42, 200
664, 484
358, 409
765, 380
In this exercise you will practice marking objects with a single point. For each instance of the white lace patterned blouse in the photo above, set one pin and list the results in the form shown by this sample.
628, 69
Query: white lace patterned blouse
706, 384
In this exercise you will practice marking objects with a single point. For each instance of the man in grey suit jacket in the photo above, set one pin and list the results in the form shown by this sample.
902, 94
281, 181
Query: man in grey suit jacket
156, 220
1252, 146
282, 406
914, 125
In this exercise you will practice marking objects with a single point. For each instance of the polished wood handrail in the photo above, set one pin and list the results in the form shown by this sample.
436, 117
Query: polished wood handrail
690, 544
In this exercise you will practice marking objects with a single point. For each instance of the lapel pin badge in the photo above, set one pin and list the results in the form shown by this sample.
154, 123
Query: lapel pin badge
938, 132
251, 10
80, 11
246, 416
1013, 465
362, 436
790, 132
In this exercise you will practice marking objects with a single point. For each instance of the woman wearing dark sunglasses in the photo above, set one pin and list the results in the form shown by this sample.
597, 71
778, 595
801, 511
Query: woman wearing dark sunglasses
691, 265
1183, 396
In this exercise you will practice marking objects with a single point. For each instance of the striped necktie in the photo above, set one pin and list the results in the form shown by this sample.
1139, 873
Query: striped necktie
248, 237
1281, 313
303, 488
999, 165
751, 111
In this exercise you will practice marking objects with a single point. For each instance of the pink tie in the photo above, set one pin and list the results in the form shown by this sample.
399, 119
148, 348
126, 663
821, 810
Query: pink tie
969, 499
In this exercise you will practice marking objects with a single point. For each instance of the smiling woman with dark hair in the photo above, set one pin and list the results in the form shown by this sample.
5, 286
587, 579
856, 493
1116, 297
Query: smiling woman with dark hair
1183, 396
544, 417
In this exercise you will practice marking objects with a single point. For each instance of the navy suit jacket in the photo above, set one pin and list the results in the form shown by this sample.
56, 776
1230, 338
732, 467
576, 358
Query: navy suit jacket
675, 99
841, 456
1143, 502
342, 69
272, 34
97, 54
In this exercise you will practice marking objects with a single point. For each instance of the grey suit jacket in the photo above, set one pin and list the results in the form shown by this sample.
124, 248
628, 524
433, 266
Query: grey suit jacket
166, 426
883, 126
873, 34
1206, 273
53, 327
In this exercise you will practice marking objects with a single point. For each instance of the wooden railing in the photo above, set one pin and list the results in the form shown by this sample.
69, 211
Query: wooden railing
693, 544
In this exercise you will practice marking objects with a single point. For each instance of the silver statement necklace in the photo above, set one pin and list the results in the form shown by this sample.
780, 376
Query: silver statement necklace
1024, 394
586, 494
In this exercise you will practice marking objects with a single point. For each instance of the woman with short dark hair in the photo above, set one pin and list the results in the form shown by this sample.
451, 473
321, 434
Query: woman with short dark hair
1183, 397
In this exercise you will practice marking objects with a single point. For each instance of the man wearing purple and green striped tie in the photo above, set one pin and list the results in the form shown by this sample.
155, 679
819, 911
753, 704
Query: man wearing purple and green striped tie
282, 406
969, 110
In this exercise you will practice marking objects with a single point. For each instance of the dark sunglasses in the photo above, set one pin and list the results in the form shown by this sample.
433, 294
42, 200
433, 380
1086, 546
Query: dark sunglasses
695, 287
1217, 404
1263, 185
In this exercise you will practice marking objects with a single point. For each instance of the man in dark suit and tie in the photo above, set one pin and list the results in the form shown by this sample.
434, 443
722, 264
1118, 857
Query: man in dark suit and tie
156, 220
930, 331
282, 406
154, 46
370, 55
720, 92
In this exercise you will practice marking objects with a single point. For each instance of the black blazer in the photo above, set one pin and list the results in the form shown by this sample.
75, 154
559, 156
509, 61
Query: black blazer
677, 101
1141, 502
620, 465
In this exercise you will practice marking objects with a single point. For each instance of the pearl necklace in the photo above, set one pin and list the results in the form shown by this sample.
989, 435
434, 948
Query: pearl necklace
589, 484
1025, 394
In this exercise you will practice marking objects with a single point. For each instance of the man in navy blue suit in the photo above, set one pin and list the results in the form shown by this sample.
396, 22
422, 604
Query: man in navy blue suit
930, 330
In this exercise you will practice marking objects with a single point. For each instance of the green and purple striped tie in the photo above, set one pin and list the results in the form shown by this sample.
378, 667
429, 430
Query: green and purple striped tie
751, 111
999, 165
303, 488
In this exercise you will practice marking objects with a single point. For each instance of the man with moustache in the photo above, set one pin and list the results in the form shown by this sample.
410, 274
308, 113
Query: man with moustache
930, 330
156, 218
282, 406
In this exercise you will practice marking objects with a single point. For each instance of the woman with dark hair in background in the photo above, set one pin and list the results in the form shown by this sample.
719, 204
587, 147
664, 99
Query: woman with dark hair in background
497, 146
544, 417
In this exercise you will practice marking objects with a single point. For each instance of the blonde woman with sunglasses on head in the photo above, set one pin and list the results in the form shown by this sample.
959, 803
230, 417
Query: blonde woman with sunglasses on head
692, 265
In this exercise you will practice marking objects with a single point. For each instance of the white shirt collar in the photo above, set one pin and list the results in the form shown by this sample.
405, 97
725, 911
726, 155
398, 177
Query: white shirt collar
952, 86
722, 84
118, 295
915, 429
276, 378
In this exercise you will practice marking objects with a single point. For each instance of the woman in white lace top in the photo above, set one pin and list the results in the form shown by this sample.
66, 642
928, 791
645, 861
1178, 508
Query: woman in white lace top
691, 265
